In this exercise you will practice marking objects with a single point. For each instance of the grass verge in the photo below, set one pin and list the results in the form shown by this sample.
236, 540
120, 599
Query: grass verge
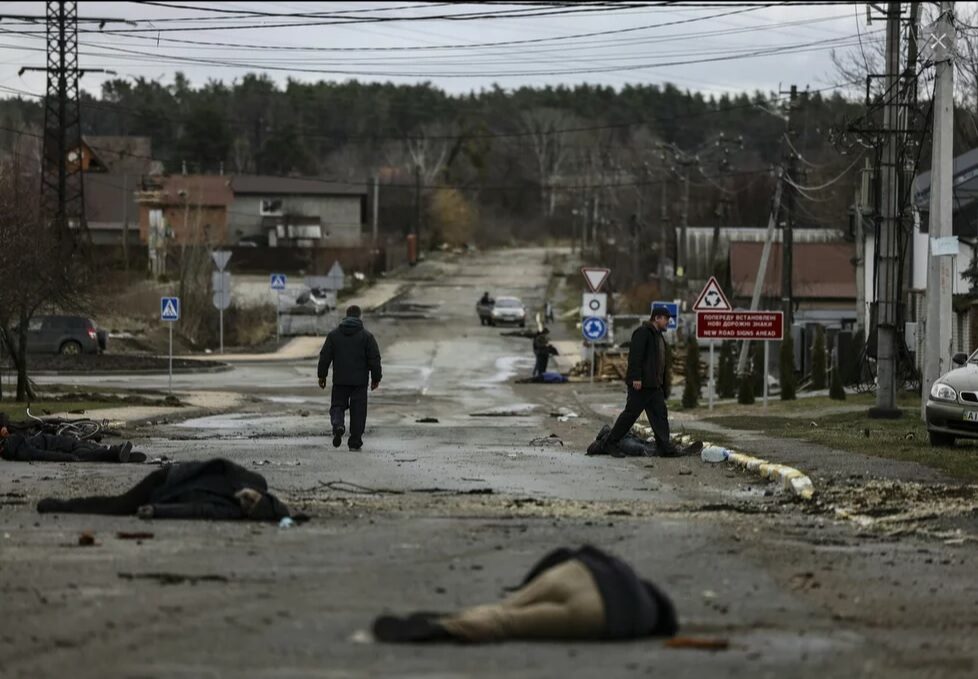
18, 411
903, 439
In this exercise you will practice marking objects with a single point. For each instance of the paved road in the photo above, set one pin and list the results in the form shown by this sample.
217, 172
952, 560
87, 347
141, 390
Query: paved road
796, 593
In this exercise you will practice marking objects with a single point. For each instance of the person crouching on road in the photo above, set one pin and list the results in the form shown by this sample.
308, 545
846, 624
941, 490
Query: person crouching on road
646, 382
355, 357
542, 350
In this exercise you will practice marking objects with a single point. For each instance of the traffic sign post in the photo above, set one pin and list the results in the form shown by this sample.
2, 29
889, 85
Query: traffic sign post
595, 277
170, 313
740, 325
277, 283
594, 305
594, 330
711, 299
221, 284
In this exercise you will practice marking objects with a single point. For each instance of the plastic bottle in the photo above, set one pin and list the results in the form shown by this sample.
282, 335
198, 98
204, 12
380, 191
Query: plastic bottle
714, 454
286, 522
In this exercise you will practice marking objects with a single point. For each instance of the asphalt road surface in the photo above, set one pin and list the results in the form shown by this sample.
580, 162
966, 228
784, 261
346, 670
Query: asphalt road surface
409, 523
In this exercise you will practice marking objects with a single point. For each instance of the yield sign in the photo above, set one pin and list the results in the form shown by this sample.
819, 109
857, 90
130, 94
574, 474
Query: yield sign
221, 258
712, 298
595, 276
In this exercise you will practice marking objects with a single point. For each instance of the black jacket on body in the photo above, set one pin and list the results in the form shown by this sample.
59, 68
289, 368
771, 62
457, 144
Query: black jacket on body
353, 353
632, 607
25, 448
647, 358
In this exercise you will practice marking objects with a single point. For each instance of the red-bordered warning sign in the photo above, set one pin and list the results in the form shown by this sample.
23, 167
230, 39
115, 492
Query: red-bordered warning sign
740, 325
595, 277
712, 298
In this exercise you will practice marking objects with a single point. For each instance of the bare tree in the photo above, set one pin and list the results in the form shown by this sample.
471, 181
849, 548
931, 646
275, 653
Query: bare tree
549, 141
430, 149
42, 266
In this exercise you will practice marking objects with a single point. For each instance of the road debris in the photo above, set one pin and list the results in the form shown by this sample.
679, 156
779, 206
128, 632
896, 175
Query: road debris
698, 643
87, 539
543, 441
137, 535
173, 578
427, 420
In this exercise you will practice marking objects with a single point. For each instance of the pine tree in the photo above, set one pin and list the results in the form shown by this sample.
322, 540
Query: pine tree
818, 359
691, 392
727, 378
787, 368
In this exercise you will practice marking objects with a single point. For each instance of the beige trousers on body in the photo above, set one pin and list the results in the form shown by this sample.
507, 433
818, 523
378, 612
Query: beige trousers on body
561, 603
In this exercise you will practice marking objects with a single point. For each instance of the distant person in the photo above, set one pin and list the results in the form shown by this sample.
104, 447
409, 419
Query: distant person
43, 447
486, 300
645, 380
355, 357
542, 350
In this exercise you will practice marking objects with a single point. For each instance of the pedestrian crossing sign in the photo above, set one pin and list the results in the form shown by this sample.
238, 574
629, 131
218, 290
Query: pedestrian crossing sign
170, 308
278, 281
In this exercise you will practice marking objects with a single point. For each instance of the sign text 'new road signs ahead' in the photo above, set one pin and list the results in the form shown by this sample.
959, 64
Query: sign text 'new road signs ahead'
594, 304
277, 281
595, 277
594, 329
673, 308
712, 298
170, 308
740, 325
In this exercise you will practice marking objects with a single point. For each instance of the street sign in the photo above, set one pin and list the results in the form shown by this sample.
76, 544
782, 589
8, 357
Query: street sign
594, 329
740, 325
595, 277
712, 298
594, 304
170, 309
277, 281
945, 247
673, 308
221, 258
221, 285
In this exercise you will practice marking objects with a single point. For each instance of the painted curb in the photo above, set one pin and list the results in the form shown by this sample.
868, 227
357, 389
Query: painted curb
791, 479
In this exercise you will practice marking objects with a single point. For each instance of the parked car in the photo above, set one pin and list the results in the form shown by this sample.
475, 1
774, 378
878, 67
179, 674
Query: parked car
508, 310
952, 405
69, 335
315, 301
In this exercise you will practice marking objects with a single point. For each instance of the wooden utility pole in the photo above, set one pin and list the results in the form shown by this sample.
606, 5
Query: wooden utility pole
940, 288
888, 243
787, 234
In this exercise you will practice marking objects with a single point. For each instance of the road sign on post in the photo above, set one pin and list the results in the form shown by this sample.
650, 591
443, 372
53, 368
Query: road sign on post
595, 277
594, 329
170, 312
277, 281
594, 304
221, 284
740, 325
221, 258
712, 298
673, 308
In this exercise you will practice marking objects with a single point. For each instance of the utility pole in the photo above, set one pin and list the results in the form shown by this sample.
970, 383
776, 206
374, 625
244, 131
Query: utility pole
939, 270
125, 221
787, 234
663, 234
417, 204
888, 245
62, 187
723, 203
374, 217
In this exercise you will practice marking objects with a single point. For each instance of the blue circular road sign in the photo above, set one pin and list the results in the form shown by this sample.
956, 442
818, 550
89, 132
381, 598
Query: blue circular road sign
594, 329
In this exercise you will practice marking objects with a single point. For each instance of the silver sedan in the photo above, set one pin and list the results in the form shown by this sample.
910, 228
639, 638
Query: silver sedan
952, 405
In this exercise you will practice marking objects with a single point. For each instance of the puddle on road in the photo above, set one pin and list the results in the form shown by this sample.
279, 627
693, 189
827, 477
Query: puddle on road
507, 367
290, 399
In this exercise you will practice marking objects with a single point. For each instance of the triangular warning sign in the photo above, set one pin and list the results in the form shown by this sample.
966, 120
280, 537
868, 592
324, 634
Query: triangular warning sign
712, 298
595, 277
169, 310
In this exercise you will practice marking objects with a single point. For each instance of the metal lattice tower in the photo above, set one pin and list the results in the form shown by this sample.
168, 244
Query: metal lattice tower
62, 186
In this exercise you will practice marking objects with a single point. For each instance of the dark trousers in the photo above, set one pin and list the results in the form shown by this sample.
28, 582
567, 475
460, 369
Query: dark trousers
543, 358
653, 402
54, 448
353, 399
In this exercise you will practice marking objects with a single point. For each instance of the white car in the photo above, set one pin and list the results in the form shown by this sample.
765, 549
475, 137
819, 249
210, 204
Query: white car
508, 310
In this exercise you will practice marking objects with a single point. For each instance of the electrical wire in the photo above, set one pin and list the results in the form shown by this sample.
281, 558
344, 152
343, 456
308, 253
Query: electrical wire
827, 184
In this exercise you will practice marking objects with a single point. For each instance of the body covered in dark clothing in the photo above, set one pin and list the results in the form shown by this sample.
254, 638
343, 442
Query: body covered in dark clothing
42, 447
647, 358
211, 489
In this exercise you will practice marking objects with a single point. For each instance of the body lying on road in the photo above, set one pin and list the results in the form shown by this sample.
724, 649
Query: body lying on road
211, 489
42, 447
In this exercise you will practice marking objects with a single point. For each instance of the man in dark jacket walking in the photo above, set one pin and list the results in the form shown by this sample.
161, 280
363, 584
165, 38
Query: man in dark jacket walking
355, 357
646, 382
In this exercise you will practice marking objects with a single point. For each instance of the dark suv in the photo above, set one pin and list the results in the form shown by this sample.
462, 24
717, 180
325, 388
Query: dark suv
65, 335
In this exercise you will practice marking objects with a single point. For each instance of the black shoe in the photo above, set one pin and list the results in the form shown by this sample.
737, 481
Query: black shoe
125, 452
356, 446
694, 448
670, 451
338, 436
413, 629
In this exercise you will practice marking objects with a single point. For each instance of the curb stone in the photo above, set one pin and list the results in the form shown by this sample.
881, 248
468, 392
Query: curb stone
791, 479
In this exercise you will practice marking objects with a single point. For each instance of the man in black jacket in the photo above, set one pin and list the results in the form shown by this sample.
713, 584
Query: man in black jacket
646, 382
355, 357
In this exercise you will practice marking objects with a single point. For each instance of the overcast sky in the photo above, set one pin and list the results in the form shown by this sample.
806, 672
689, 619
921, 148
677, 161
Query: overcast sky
649, 44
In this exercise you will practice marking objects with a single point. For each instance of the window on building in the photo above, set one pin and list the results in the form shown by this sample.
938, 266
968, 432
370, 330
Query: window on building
270, 207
